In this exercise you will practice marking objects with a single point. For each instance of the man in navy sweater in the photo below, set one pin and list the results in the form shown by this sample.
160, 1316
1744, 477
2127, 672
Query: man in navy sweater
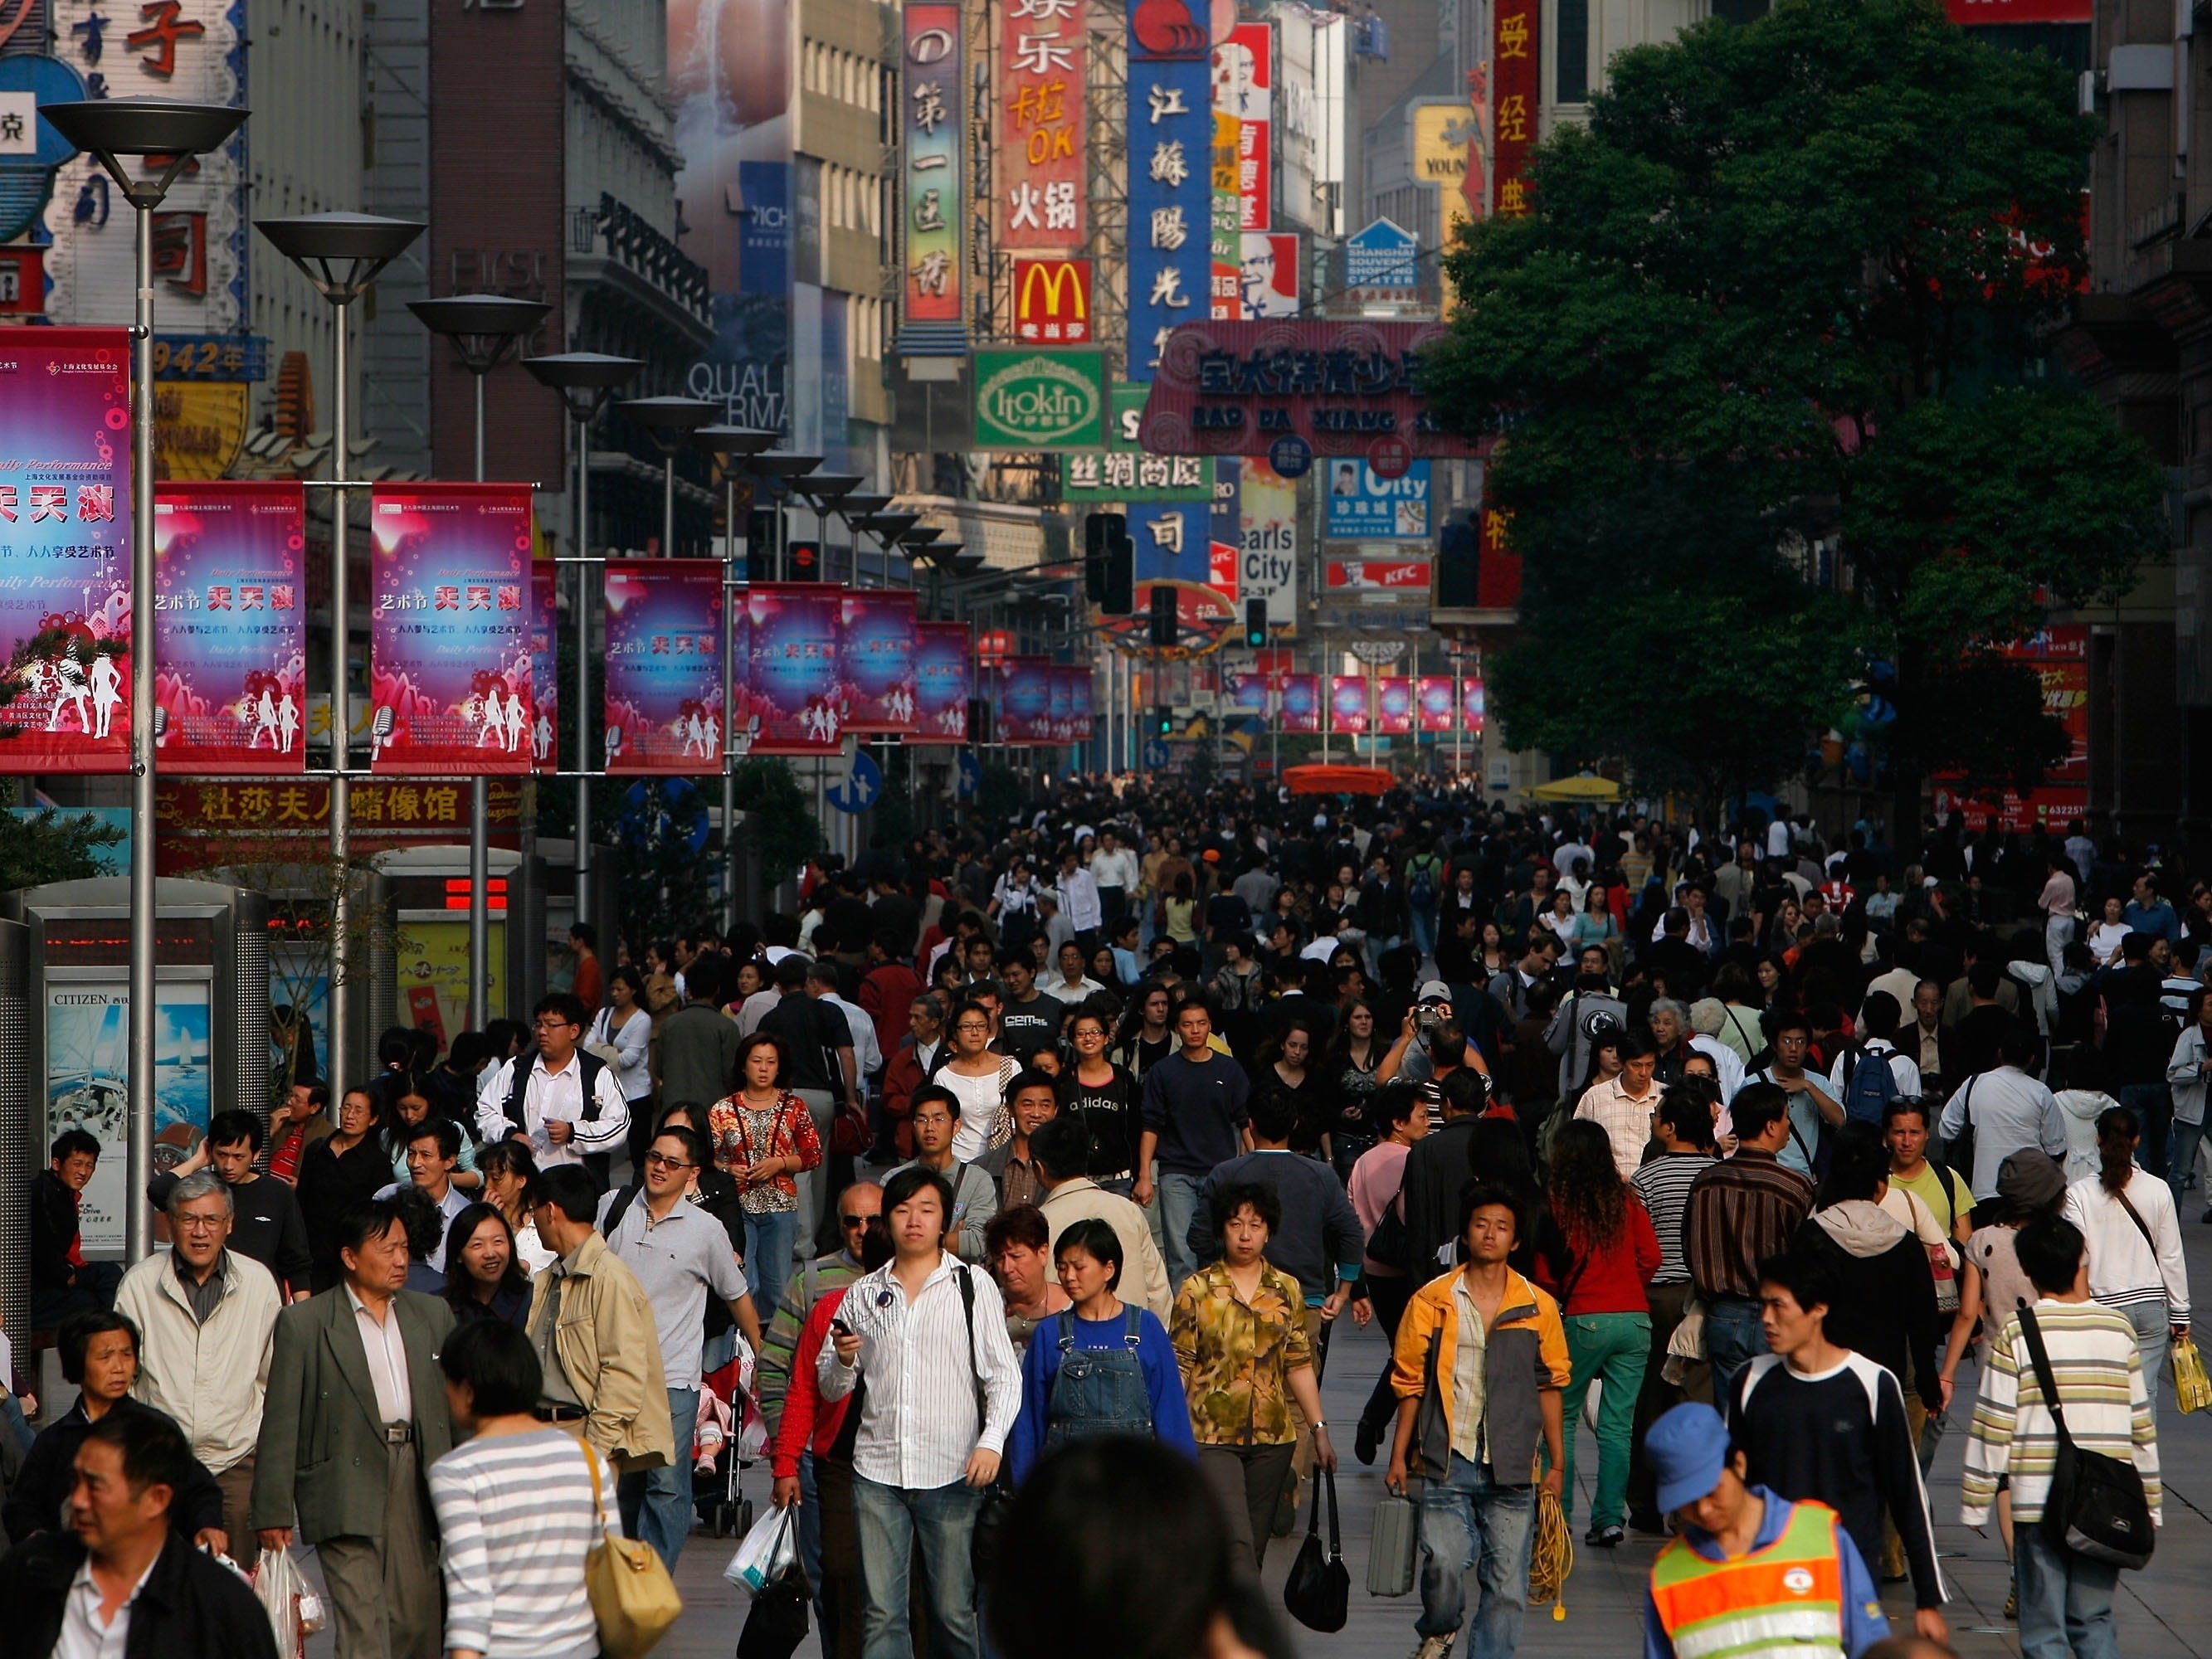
1194, 1109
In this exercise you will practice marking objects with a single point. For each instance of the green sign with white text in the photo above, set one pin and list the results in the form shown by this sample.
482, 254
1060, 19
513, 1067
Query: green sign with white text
1039, 399
1125, 471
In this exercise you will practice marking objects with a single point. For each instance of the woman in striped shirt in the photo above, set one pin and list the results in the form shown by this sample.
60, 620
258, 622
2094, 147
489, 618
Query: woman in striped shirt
519, 1504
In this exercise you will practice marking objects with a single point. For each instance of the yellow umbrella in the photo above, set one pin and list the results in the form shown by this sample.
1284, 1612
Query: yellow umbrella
1585, 786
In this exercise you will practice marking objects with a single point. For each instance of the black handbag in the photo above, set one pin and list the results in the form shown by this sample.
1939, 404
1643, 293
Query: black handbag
1318, 1592
992, 1505
2096, 1507
777, 1623
1390, 1243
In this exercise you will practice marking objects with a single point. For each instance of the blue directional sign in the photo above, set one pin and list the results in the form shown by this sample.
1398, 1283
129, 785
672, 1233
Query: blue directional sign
857, 790
1156, 754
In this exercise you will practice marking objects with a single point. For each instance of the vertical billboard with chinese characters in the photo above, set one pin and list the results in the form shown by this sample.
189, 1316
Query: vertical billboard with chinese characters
1301, 706
65, 539
943, 680
664, 666
1042, 58
230, 628
1514, 94
450, 682
876, 642
1224, 296
1348, 703
1243, 85
935, 158
192, 50
794, 695
1171, 177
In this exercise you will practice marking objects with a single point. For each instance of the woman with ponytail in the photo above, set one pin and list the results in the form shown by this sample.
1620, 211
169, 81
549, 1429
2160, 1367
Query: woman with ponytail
2126, 1214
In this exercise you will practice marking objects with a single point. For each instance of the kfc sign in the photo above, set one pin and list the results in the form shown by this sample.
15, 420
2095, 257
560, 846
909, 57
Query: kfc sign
1051, 301
1378, 575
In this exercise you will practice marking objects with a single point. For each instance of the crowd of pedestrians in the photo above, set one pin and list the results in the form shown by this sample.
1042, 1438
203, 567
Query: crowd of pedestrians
1747, 1150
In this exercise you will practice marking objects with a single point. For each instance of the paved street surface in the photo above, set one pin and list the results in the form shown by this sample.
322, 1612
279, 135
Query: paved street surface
2165, 1612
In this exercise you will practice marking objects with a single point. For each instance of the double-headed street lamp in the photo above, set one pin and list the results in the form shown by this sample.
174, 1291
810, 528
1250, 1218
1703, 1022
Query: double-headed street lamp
486, 330
586, 382
165, 136
341, 254
670, 422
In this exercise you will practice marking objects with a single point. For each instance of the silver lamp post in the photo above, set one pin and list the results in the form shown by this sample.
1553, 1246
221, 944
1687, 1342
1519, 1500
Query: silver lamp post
166, 135
586, 381
486, 330
670, 422
342, 254
822, 491
729, 444
786, 468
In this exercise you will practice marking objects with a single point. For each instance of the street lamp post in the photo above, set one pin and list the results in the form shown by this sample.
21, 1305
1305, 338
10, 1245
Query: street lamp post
341, 253
586, 381
670, 422
166, 136
823, 490
486, 330
783, 466
728, 445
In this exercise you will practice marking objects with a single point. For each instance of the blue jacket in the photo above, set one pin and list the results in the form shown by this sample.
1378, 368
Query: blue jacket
1040, 1369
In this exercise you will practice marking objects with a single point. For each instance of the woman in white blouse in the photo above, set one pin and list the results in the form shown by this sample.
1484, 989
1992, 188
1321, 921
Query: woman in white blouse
979, 1078
622, 1034
2126, 1215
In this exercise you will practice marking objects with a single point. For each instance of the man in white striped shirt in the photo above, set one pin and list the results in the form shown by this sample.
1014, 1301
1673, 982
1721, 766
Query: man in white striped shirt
926, 1337
518, 1507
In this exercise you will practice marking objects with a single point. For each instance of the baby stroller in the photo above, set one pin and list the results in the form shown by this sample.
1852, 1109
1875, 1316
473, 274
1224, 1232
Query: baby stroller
730, 1435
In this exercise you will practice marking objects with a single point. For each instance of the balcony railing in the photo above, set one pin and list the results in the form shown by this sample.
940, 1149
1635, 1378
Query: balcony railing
619, 231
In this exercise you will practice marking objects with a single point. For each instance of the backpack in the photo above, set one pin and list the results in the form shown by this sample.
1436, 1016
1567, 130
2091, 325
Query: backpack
1868, 1088
1421, 885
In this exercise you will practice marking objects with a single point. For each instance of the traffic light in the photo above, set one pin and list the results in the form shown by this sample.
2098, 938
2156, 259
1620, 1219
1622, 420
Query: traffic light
1110, 564
1163, 720
1162, 635
805, 560
1458, 556
1099, 530
979, 720
1256, 623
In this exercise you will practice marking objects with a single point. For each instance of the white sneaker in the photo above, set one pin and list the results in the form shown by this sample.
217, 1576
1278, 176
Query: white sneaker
1434, 1646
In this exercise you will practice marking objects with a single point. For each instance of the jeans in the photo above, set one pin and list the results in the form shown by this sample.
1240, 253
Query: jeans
2065, 1600
1733, 1338
2153, 1105
2181, 1156
656, 1504
1612, 1348
1423, 925
94, 1291
1467, 1519
889, 1520
770, 1236
2153, 1337
1179, 1197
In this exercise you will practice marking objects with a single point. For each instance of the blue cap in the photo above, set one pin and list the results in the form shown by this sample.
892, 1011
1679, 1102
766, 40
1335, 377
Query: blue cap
1687, 1449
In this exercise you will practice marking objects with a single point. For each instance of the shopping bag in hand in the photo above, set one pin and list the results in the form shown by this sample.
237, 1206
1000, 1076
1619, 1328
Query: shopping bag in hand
766, 1551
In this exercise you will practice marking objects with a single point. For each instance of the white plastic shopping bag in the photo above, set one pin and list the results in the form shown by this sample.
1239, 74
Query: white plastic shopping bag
767, 1549
295, 1610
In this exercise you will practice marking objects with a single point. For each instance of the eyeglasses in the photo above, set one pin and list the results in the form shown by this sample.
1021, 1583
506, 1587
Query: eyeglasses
549, 1023
198, 1224
661, 1160
849, 1222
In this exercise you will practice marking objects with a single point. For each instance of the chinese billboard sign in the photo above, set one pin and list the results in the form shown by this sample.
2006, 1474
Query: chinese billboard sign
1051, 301
943, 680
2059, 656
1514, 58
230, 628
1378, 576
1039, 399
1267, 536
934, 156
1043, 54
876, 655
1125, 473
1241, 388
1434, 695
1348, 703
1498, 567
1394, 704
450, 680
544, 665
793, 690
1170, 176
1025, 688
1300, 707
1366, 507
1227, 241
65, 534
1243, 86
1447, 146
1247, 692
664, 666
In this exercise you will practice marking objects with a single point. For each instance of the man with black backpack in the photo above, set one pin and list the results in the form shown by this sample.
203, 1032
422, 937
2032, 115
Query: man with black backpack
565, 1105
1866, 1090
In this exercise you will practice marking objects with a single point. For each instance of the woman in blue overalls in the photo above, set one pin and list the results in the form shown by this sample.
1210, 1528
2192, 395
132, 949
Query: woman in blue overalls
1100, 1366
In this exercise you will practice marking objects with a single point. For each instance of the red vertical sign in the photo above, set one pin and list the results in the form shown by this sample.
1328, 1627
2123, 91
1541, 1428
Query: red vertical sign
1041, 55
1514, 56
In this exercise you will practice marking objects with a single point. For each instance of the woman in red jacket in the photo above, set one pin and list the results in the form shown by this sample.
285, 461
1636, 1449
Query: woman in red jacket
1597, 1251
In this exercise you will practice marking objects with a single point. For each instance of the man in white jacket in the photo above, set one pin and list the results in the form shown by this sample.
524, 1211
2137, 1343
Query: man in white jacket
204, 1316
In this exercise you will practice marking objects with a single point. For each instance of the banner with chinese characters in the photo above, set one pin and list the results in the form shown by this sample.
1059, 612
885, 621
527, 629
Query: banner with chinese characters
935, 157
1363, 506
1051, 301
1043, 54
450, 682
1226, 245
1247, 692
1170, 175
876, 660
1394, 704
1301, 709
230, 628
65, 535
664, 666
544, 665
1243, 85
210, 822
1125, 473
1498, 567
1348, 703
1171, 541
943, 680
794, 700
1080, 711
1060, 705
1025, 688
1472, 706
1435, 696
1514, 93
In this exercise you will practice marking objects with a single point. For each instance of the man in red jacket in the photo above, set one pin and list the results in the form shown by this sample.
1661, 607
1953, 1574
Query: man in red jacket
909, 1067
888, 990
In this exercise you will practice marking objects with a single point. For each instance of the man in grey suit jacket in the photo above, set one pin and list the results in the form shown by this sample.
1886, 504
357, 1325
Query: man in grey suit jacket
354, 1417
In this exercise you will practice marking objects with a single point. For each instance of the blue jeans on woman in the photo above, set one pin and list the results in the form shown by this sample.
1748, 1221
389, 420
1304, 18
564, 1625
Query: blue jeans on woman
770, 1236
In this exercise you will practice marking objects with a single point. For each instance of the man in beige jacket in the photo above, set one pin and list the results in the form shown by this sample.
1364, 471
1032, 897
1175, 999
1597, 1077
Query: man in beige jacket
592, 1327
1065, 1144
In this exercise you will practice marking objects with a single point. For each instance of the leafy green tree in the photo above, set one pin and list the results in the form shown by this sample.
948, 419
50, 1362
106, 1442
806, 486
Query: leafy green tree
1805, 264
48, 846
779, 818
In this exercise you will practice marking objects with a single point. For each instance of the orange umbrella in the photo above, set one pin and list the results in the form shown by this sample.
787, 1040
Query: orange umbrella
1319, 780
